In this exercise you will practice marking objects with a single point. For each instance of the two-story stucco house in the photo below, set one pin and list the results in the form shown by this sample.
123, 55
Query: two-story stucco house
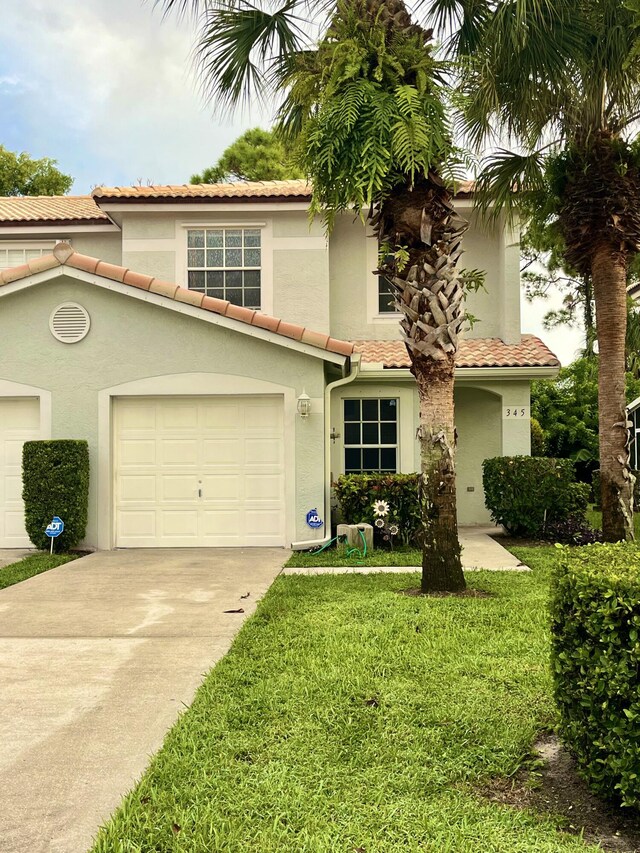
226, 361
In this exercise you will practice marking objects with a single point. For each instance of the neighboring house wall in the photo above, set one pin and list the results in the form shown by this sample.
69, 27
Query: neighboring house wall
354, 287
150, 341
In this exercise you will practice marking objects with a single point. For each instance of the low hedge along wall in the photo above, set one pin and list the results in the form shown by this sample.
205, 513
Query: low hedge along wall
525, 493
595, 611
55, 478
356, 494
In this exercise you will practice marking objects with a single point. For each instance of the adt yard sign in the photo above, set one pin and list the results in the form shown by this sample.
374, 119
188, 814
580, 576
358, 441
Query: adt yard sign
313, 519
54, 529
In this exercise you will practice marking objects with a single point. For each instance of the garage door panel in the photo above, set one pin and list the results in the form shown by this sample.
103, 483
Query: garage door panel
178, 452
178, 487
222, 524
140, 417
134, 489
178, 416
19, 422
217, 487
138, 526
264, 487
181, 524
217, 468
221, 416
137, 453
222, 452
263, 451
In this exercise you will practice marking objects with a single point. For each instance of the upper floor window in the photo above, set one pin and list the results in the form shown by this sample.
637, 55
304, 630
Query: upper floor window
226, 263
370, 435
386, 303
15, 254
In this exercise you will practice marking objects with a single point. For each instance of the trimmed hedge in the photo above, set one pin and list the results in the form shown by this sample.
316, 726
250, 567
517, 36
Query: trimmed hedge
356, 494
55, 481
595, 610
526, 493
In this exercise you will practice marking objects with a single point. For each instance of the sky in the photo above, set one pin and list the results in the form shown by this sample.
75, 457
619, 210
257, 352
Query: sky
107, 88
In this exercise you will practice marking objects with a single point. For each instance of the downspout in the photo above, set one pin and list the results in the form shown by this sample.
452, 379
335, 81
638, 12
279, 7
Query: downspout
354, 371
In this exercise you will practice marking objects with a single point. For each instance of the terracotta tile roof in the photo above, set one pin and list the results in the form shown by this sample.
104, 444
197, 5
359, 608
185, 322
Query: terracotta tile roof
238, 190
473, 352
52, 209
64, 255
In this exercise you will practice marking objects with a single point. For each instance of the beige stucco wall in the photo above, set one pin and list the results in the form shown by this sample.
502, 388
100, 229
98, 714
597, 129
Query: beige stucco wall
482, 431
354, 304
131, 340
107, 247
295, 266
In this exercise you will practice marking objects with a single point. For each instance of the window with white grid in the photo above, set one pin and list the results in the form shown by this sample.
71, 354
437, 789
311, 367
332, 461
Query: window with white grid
370, 435
225, 263
14, 255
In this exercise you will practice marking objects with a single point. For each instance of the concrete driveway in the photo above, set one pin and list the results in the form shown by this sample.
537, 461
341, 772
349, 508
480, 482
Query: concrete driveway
97, 660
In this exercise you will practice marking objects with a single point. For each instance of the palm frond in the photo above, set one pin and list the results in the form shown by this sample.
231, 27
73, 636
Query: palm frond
506, 181
239, 44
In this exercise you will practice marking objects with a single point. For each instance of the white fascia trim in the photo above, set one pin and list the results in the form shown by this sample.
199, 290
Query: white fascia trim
202, 207
37, 231
376, 373
180, 307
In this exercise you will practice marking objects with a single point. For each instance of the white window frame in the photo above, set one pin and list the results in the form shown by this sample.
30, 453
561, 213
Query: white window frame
45, 247
373, 313
361, 398
266, 245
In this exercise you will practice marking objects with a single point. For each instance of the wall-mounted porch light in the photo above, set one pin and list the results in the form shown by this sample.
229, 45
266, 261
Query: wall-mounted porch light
304, 404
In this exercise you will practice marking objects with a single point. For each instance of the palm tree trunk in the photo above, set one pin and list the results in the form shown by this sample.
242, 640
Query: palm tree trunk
441, 566
609, 272
421, 220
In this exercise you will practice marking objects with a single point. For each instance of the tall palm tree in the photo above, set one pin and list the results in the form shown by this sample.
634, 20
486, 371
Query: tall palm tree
556, 83
364, 105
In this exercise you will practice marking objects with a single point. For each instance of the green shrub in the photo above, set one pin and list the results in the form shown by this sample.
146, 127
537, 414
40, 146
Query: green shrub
524, 493
356, 494
537, 438
55, 477
595, 610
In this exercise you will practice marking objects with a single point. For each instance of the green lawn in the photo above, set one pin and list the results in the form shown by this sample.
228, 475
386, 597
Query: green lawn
594, 517
32, 565
334, 557
349, 718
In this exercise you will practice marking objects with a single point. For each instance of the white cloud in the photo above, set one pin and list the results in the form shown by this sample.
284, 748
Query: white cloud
113, 93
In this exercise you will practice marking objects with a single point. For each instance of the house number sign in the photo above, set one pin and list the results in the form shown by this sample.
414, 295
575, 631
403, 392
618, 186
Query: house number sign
513, 413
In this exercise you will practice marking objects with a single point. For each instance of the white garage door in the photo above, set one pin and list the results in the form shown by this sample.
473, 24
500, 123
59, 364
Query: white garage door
199, 471
19, 422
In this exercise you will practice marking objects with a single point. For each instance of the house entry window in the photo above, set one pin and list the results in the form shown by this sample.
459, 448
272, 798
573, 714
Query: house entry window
370, 435
225, 263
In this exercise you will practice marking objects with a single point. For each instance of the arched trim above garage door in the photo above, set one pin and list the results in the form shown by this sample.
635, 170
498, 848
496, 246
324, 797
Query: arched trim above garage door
186, 385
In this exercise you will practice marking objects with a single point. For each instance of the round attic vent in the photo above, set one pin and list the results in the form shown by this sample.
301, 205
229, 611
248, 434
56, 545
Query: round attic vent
69, 323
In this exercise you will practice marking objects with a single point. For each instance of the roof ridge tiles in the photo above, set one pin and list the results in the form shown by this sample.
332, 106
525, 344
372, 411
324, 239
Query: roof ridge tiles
64, 255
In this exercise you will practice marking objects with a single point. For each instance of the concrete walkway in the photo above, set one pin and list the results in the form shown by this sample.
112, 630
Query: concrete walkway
97, 659
12, 555
480, 551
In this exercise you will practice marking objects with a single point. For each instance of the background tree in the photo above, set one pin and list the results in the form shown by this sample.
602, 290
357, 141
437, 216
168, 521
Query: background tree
567, 410
366, 109
257, 155
20, 174
560, 84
